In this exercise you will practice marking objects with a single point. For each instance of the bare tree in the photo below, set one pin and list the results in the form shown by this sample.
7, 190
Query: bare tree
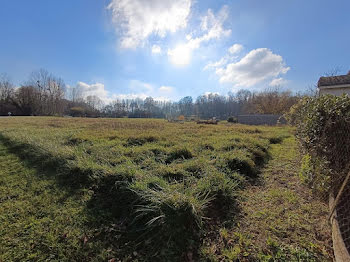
333, 72
26, 100
6, 88
94, 102
75, 94
6, 95
50, 92
271, 101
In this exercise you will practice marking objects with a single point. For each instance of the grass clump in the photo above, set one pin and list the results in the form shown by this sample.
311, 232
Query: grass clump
238, 161
139, 141
179, 154
219, 188
171, 218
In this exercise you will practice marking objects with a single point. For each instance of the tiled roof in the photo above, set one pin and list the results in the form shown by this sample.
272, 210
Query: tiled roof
334, 80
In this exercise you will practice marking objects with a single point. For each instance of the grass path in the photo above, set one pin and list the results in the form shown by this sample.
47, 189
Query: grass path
280, 220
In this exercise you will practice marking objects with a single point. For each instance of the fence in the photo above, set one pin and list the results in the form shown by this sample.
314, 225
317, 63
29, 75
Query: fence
338, 156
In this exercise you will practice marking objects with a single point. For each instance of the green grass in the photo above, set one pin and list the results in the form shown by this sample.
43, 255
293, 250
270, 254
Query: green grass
39, 220
125, 189
280, 220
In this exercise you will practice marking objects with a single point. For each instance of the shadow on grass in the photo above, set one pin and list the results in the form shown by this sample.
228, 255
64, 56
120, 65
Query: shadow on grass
106, 211
47, 165
109, 212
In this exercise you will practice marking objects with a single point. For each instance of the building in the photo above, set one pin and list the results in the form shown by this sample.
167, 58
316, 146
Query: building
261, 119
334, 85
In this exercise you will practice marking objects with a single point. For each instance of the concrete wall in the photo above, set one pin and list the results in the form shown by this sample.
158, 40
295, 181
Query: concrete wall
335, 91
261, 119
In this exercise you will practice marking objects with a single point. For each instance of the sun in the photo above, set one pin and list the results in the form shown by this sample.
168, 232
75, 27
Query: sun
180, 55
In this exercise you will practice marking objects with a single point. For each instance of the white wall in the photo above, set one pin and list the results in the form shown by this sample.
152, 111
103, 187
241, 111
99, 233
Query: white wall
335, 91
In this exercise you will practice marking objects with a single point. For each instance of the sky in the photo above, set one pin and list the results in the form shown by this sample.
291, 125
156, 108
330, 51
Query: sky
169, 49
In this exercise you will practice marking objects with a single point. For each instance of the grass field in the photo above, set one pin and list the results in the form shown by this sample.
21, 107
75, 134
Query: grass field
137, 189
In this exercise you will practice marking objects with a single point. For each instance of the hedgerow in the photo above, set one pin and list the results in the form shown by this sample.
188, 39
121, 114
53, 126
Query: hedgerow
323, 129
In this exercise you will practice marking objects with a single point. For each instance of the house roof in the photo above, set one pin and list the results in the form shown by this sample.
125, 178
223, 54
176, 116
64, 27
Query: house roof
334, 80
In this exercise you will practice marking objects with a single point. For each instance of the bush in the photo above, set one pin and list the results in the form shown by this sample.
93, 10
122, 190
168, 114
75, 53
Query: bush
232, 119
77, 111
323, 127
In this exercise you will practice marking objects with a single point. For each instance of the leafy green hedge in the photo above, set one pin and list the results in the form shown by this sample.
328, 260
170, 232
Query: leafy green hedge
323, 129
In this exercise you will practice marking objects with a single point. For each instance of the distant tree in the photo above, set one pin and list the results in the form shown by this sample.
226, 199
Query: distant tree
94, 102
186, 106
27, 100
50, 91
6, 95
149, 106
6, 88
75, 94
243, 95
271, 101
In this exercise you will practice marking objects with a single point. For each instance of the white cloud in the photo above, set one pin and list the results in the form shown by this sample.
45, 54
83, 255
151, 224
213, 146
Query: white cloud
137, 96
212, 26
255, 67
223, 61
141, 87
235, 49
229, 57
97, 89
166, 89
277, 82
180, 55
128, 96
142, 90
156, 49
138, 89
136, 20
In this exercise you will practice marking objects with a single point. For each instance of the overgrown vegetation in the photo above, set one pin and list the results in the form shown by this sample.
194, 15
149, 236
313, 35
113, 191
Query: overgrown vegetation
323, 127
146, 188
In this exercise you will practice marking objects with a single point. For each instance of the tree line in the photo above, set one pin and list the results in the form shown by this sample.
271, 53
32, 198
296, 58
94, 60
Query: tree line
44, 94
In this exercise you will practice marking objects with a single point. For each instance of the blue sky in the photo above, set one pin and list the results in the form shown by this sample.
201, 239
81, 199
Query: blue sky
171, 49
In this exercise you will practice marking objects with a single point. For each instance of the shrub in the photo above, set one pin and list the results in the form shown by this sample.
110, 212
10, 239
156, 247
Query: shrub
323, 127
77, 111
232, 119
275, 140
306, 170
